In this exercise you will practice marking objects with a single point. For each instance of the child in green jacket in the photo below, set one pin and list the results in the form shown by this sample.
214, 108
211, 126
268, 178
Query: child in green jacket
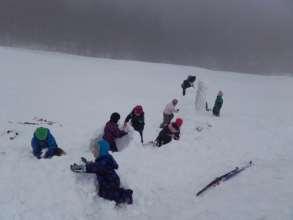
218, 104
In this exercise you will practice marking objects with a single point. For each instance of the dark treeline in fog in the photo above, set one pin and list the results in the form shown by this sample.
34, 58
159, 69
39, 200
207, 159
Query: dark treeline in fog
237, 35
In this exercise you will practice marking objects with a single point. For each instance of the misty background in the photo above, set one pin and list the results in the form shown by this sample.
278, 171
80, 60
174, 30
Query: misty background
236, 35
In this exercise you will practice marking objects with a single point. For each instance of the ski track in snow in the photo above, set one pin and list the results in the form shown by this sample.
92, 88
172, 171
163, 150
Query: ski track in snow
256, 124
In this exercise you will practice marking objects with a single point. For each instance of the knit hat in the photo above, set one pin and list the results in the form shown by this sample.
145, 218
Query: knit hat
178, 122
175, 101
191, 78
41, 133
104, 147
138, 109
115, 117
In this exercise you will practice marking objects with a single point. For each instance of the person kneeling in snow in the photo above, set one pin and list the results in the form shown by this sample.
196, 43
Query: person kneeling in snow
44, 139
169, 132
112, 131
104, 167
137, 120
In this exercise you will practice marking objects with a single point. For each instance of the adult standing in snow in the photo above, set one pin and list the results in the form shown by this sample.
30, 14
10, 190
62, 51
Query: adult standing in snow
112, 131
189, 82
200, 98
42, 139
137, 120
104, 167
169, 132
168, 113
218, 104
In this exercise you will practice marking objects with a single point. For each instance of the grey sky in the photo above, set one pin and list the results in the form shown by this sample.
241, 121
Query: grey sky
238, 35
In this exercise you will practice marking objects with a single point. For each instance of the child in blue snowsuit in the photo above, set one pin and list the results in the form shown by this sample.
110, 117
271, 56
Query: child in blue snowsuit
104, 167
44, 139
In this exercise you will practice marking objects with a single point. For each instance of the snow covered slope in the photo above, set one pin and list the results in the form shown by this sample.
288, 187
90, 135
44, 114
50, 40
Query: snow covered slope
256, 124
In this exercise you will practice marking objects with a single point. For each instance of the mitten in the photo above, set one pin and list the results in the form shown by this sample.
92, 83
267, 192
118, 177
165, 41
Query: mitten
78, 168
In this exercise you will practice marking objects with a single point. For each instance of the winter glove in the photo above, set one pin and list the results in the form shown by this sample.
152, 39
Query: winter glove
84, 160
78, 168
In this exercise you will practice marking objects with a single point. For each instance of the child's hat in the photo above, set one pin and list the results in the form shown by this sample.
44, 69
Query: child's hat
104, 147
179, 122
41, 133
138, 109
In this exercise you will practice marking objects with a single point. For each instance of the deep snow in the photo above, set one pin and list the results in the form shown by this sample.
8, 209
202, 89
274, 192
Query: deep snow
256, 124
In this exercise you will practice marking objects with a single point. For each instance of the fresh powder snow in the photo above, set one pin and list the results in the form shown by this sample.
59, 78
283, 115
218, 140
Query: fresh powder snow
256, 123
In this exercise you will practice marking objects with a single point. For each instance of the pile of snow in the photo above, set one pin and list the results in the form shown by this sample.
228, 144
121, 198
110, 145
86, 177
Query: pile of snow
256, 124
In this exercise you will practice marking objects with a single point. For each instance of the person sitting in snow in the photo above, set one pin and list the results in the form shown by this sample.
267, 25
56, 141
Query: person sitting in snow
137, 120
104, 167
169, 132
168, 113
42, 139
218, 104
112, 131
188, 83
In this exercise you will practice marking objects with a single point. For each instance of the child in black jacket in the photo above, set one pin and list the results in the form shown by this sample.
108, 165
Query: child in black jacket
137, 120
188, 83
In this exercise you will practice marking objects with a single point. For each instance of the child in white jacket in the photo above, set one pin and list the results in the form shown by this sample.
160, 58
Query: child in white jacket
168, 113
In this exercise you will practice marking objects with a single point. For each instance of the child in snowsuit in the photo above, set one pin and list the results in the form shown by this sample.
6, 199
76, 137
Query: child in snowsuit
218, 104
112, 131
44, 139
137, 120
169, 132
188, 83
168, 113
104, 167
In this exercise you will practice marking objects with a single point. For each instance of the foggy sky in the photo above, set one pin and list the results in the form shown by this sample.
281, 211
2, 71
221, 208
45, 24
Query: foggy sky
235, 35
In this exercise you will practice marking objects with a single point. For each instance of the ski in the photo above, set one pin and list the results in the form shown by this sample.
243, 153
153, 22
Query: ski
23, 123
224, 177
238, 171
45, 121
36, 122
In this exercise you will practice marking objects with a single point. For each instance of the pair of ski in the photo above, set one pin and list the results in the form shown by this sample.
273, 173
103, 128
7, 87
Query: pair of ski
45, 121
224, 177
37, 121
